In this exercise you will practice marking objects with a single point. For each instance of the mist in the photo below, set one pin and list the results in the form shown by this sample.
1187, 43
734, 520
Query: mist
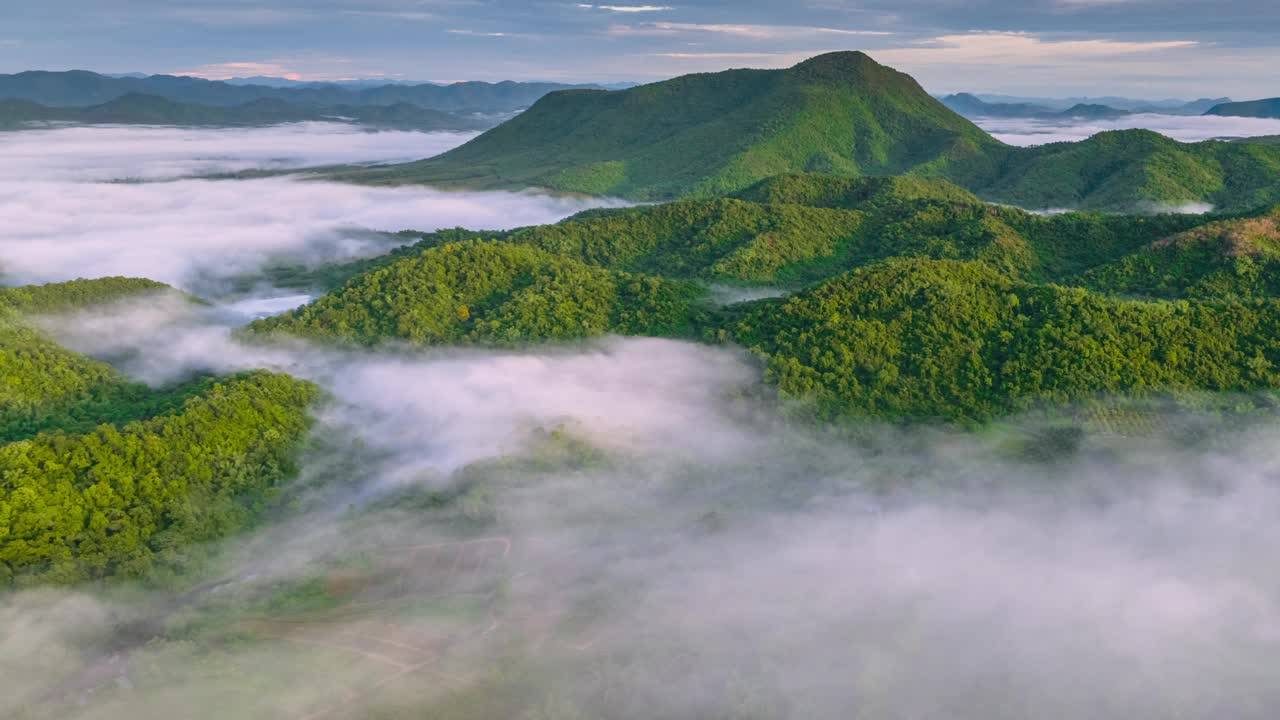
1194, 128
645, 534
64, 212
625, 528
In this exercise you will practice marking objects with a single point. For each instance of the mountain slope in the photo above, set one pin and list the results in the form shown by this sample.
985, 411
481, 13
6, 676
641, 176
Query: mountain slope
1125, 171
1269, 108
491, 293
710, 134
1229, 258
840, 113
954, 340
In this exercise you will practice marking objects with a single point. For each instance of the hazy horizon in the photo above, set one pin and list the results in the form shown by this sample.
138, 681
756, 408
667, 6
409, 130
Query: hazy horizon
1137, 48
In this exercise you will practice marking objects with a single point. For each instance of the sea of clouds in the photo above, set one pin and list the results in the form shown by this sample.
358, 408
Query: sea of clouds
72, 205
1038, 131
712, 558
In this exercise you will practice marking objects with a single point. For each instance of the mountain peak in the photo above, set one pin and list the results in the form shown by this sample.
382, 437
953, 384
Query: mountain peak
839, 66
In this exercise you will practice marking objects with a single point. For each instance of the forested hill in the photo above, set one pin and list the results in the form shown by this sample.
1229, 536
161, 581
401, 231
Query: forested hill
912, 299
102, 476
80, 88
840, 113
712, 133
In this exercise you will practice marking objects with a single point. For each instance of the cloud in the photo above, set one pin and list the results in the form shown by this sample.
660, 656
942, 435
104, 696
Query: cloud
287, 68
627, 8
713, 558
61, 217
1003, 48
1033, 131
478, 33
750, 32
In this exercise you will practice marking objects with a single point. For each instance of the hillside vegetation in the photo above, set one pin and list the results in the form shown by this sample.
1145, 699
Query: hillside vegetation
915, 300
959, 341
709, 134
491, 293
102, 476
841, 113
1224, 259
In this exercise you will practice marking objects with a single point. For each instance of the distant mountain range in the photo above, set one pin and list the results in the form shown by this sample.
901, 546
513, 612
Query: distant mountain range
1133, 105
80, 88
841, 113
1269, 108
139, 109
971, 106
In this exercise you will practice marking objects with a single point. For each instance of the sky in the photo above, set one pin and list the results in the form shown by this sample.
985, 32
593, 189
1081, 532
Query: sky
1136, 48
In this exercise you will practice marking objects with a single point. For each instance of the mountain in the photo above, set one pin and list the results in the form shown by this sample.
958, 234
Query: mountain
912, 299
79, 88
920, 338
1269, 108
972, 107
100, 472
1159, 107
1237, 258
840, 113
137, 109
711, 134
1127, 171
493, 293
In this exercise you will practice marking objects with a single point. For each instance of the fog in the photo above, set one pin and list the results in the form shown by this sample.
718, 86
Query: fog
64, 214
1194, 128
639, 528
643, 534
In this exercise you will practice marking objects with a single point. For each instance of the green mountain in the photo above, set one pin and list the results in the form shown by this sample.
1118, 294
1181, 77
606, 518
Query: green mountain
491, 293
914, 300
1126, 171
97, 470
841, 113
710, 134
1230, 258
1269, 108
137, 109
954, 340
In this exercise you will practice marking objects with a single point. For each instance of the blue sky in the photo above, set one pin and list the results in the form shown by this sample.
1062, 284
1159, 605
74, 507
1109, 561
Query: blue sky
1142, 48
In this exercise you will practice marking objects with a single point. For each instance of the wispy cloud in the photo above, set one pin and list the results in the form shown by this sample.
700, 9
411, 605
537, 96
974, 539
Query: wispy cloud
491, 34
998, 48
626, 8
751, 32
394, 14
280, 68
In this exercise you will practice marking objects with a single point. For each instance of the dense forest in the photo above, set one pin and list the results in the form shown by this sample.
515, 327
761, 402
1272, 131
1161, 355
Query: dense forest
959, 341
955, 309
501, 293
104, 476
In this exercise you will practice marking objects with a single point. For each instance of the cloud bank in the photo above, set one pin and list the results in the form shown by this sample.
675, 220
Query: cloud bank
62, 217
1034, 131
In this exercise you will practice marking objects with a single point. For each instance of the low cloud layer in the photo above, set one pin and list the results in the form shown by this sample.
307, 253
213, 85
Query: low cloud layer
713, 561
62, 217
1030, 131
